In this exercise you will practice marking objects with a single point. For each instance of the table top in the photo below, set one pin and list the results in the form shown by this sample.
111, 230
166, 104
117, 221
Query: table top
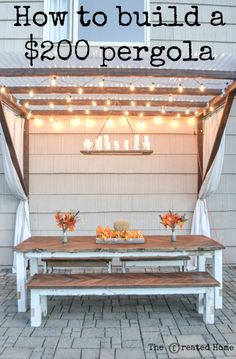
190, 243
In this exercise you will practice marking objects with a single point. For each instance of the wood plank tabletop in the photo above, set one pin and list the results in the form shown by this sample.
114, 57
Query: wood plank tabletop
87, 244
121, 280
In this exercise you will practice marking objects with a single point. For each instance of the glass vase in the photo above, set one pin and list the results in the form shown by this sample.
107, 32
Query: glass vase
173, 235
64, 236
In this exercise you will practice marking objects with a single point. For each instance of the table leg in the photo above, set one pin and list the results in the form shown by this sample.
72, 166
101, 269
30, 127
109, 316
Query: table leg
218, 274
33, 266
201, 266
21, 282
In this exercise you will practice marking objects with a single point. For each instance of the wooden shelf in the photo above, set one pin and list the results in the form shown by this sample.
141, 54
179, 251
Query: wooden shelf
117, 153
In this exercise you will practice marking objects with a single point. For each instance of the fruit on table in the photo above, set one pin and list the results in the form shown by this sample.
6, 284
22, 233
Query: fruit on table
107, 232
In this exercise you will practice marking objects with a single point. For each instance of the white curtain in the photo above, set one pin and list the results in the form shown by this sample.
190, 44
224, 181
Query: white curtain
22, 223
200, 223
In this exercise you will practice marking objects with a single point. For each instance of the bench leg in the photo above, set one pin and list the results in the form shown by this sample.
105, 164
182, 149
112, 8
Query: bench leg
201, 268
208, 315
44, 305
109, 267
36, 311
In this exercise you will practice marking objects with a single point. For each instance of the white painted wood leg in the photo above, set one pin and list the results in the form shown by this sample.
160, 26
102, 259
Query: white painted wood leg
109, 267
218, 274
21, 282
36, 310
33, 266
123, 267
44, 305
208, 315
201, 266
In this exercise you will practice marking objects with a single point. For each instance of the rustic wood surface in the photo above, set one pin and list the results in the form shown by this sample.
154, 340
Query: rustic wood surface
88, 244
119, 280
155, 258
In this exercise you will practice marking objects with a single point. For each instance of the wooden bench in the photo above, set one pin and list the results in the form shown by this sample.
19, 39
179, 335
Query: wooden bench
156, 261
76, 263
105, 284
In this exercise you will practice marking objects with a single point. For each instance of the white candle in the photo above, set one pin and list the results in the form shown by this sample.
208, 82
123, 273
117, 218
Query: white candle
126, 145
136, 142
116, 145
106, 139
107, 146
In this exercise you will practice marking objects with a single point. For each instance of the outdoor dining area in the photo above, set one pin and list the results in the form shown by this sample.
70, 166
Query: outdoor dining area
114, 247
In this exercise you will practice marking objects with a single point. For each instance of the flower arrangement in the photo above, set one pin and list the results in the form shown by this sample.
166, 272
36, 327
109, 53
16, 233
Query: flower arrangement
107, 233
172, 220
66, 221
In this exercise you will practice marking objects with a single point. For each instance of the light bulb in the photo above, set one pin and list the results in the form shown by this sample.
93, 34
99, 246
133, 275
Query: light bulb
54, 81
170, 98
90, 122
141, 125
3, 89
158, 120
31, 93
152, 87
69, 99
191, 121
80, 90
132, 87
94, 103
29, 115
51, 105
26, 104
105, 109
148, 104
133, 103
180, 88
109, 123
87, 112
57, 125
211, 108
196, 112
101, 83
70, 109
163, 110
108, 102
38, 122
126, 113
75, 122
51, 119
174, 123
187, 112
141, 115
202, 88
178, 115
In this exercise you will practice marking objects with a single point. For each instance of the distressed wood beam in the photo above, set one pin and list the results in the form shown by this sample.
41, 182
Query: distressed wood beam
113, 90
223, 122
106, 113
11, 102
113, 102
117, 72
11, 148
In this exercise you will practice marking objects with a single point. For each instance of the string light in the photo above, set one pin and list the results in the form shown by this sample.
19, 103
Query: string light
108, 102
54, 81
126, 113
158, 120
180, 88
31, 93
29, 116
58, 125
187, 112
51, 105
3, 89
141, 125
38, 122
163, 110
109, 123
191, 121
94, 103
87, 112
80, 90
70, 109
133, 103
26, 104
211, 108
202, 88
101, 83
174, 123
75, 122
141, 115
51, 119
132, 87
148, 104
196, 112
90, 122
178, 115
152, 87
170, 98
105, 109
69, 98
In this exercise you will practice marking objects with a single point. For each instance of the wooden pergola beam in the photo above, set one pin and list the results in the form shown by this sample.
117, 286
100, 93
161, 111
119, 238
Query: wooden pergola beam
11, 102
113, 102
66, 90
105, 113
117, 72
11, 148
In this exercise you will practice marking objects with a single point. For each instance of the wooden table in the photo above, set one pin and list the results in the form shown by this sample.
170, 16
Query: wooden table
35, 248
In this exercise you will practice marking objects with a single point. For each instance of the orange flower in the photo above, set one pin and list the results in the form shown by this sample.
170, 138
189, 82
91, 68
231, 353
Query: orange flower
66, 220
172, 220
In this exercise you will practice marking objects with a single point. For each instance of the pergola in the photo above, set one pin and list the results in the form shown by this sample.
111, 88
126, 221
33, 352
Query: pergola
173, 92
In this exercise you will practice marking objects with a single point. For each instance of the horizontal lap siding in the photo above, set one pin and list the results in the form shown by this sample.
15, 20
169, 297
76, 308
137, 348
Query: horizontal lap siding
107, 188
222, 204
220, 38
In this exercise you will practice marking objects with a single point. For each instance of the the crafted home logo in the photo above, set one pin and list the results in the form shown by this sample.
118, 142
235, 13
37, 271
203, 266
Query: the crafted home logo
80, 48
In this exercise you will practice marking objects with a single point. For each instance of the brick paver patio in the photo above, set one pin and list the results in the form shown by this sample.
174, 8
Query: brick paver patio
117, 327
